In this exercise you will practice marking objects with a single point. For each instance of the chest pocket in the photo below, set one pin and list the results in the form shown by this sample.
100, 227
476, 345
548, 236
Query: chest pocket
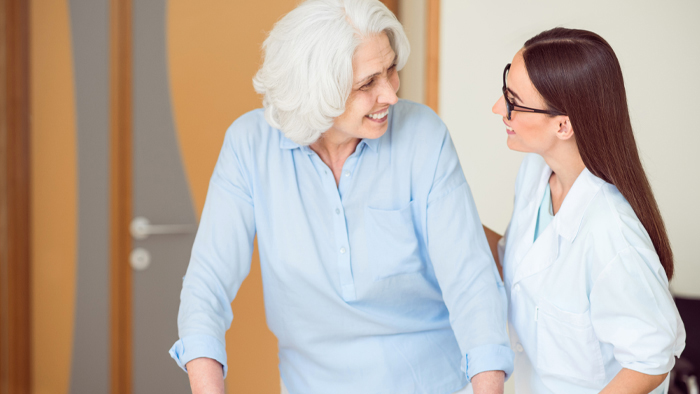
567, 347
392, 244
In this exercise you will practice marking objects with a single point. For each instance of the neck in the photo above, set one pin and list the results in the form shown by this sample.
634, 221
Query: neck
566, 164
334, 145
333, 148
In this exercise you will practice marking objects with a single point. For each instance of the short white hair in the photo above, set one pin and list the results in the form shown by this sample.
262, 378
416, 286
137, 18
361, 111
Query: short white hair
306, 75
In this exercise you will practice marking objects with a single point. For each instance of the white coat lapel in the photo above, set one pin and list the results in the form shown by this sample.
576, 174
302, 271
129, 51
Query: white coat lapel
526, 219
541, 255
565, 224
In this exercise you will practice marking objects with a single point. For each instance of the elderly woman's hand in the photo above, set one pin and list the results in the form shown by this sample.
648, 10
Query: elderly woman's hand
206, 376
488, 382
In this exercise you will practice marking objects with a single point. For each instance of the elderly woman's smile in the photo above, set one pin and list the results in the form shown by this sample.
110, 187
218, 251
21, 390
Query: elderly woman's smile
379, 116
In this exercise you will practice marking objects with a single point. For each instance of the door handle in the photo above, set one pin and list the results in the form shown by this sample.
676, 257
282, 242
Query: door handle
141, 228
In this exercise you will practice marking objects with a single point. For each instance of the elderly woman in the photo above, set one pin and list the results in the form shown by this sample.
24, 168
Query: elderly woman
376, 272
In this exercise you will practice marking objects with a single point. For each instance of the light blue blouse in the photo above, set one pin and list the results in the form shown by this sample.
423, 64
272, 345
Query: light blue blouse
382, 284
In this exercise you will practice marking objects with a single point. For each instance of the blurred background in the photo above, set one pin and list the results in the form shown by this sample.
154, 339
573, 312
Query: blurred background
112, 114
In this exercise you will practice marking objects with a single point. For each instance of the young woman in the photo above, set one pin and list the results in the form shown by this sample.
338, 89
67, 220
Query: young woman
586, 260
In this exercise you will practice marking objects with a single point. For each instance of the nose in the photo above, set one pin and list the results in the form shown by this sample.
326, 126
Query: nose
387, 94
499, 108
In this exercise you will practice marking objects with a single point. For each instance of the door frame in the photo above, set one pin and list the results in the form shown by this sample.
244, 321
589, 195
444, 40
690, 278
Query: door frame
120, 75
432, 54
15, 194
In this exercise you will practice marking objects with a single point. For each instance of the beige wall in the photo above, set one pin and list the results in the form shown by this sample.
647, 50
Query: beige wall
656, 43
53, 194
412, 16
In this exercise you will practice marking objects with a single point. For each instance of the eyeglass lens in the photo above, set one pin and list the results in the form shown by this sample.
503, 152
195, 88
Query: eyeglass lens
509, 106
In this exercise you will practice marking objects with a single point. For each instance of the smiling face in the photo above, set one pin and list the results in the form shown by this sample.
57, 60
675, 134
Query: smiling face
375, 83
527, 131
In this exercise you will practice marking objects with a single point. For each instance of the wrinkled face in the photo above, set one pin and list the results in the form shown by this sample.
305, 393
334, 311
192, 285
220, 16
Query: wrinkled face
527, 131
375, 83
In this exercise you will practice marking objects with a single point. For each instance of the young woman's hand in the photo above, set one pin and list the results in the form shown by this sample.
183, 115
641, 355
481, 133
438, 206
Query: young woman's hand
628, 381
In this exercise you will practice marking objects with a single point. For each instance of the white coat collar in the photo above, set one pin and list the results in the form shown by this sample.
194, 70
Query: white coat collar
534, 256
575, 204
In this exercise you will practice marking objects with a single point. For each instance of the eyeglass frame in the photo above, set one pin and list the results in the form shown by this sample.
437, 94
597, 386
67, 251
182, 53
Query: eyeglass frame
510, 106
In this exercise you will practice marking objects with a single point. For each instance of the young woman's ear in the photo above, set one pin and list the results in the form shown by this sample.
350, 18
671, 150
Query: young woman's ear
565, 131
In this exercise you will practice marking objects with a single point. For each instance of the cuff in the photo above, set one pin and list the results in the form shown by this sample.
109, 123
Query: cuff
489, 358
196, 346
649, 368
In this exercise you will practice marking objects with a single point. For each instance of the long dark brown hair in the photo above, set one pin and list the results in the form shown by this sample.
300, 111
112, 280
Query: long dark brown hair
578, 74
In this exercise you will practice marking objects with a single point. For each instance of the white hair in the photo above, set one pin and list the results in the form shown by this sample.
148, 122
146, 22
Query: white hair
306, 75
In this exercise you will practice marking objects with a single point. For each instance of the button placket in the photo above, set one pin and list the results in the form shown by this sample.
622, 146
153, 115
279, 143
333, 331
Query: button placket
349, 169
342, 240
347, 282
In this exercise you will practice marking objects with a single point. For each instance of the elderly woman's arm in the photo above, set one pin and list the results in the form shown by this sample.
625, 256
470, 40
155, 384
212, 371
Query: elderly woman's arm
220, 260
493, 238
467, 274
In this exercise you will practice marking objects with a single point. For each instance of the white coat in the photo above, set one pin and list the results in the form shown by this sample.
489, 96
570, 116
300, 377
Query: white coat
590, 296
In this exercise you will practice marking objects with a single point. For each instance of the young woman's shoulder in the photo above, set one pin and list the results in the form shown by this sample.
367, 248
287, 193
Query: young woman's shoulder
611, 216
614, 231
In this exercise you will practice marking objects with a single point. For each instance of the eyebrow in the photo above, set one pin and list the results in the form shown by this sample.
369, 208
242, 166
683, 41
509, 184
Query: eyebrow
514, 94
393, 63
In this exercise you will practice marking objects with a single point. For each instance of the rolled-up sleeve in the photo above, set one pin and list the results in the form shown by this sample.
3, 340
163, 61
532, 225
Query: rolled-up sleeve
466, 271
632, 309
220, 260
196, 346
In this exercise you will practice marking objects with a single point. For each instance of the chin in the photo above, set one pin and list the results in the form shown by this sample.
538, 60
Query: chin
374, 132
513, 145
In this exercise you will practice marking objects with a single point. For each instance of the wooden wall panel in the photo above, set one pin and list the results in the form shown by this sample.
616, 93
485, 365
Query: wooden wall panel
54, 189
393, 5
120, 196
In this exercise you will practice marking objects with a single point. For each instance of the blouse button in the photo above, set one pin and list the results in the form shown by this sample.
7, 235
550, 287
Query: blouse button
519, 348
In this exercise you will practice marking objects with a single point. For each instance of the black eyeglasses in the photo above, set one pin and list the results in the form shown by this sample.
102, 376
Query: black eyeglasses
510, 107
